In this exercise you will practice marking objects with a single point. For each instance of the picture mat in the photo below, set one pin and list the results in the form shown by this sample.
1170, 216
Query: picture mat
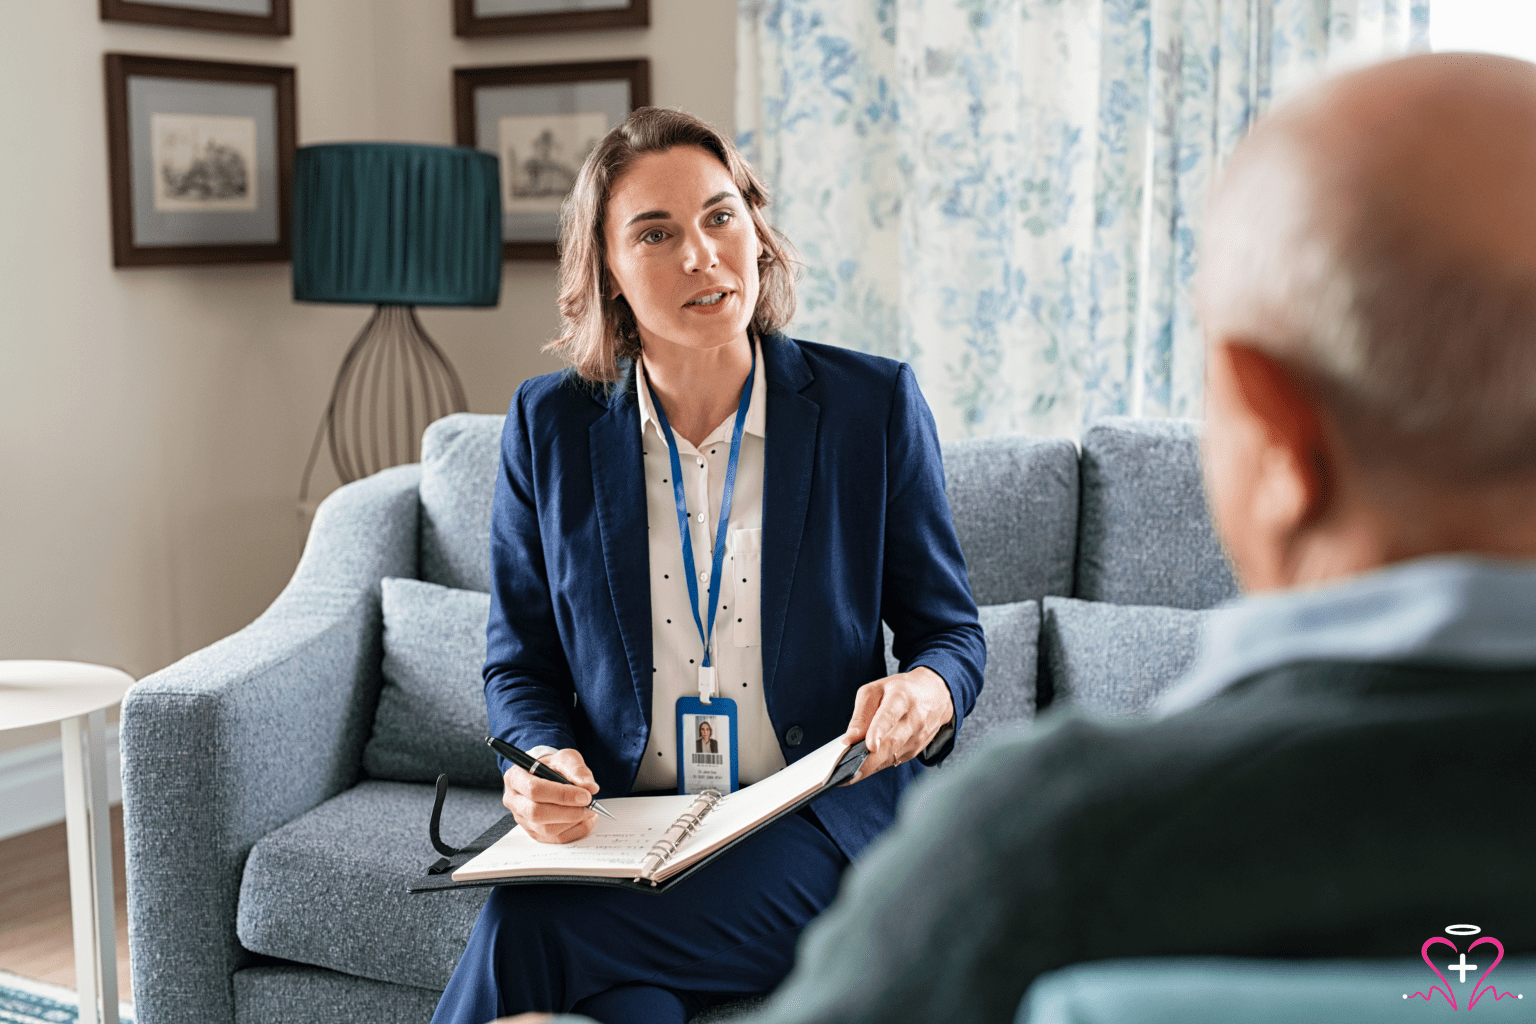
148, 95
499, 8
615, 849
560, 140
494, 102
179, 141
259, 8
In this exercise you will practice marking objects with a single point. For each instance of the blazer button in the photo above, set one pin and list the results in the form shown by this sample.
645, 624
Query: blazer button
793, 736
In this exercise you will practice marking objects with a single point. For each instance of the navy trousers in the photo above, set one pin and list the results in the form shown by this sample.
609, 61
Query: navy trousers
727, 932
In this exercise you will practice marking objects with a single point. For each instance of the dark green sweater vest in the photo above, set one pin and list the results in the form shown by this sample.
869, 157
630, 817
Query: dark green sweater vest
1316, 810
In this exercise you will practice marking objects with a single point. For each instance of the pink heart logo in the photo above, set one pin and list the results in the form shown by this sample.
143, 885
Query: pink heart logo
1450, 996
1482, 985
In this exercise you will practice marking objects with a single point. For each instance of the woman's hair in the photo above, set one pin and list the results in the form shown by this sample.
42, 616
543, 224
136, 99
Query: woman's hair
596, 331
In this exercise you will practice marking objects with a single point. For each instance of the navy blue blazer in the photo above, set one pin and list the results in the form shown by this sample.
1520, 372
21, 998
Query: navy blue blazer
856, 529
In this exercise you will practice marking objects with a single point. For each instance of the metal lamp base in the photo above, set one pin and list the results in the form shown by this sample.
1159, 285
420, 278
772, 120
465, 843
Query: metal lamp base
393, 381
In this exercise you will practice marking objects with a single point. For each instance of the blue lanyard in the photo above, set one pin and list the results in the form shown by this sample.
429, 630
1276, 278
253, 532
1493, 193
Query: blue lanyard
705, 633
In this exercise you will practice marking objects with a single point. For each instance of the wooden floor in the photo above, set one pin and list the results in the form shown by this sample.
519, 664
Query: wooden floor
35, 936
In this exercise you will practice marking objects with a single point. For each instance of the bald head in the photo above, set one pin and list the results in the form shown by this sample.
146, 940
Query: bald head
1377, 235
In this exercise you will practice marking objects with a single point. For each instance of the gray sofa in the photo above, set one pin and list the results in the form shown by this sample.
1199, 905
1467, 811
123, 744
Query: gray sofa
276, 784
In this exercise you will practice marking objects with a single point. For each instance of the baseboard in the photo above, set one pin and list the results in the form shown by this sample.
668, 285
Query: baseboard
32, 784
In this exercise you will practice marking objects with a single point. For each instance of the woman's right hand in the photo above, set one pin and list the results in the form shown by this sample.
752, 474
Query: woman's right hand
549, 811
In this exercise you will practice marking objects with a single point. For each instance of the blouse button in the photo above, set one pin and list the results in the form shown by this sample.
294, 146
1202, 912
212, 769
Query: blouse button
794, 736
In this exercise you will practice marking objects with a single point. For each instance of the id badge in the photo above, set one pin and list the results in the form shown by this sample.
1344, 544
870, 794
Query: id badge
706, 745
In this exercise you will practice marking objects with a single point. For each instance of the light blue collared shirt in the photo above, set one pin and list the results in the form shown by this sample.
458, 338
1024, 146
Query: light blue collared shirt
1467, 612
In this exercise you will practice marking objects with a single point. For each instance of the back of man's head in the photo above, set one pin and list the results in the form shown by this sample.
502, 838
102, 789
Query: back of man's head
1398, 260
1376, 239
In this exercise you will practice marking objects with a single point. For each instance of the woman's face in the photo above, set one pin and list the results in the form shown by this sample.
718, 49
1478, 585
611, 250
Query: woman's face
705, 732
682, 250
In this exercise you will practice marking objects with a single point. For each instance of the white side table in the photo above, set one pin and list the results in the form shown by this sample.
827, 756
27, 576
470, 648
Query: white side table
76, 696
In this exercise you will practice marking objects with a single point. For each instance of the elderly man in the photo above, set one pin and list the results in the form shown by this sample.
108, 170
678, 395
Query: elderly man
1348, 769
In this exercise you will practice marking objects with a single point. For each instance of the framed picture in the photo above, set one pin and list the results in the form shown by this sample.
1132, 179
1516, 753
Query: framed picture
541, 121
527, 17
200, 157
256, 17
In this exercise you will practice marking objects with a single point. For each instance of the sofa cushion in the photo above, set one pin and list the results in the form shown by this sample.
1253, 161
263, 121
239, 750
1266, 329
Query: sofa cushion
1007, 697
290, 994
431, 716
1014, 501
1145, 534
1115, 659
328, 888
460, 456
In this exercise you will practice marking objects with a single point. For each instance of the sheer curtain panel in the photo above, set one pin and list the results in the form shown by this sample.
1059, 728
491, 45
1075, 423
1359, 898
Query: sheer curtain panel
1007, 193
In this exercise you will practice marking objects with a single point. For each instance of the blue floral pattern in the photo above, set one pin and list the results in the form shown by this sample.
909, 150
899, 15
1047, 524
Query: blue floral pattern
1007, 193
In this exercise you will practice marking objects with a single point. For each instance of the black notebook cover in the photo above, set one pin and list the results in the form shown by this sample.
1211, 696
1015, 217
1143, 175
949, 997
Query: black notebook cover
439, 876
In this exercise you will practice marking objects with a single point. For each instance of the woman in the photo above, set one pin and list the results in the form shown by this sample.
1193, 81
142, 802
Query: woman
689, 419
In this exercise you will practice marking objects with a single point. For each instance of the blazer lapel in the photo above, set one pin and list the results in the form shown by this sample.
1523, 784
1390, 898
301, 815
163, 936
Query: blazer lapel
618, 485
789, 461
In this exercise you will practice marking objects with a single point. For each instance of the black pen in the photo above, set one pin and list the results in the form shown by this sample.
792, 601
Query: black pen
536, 768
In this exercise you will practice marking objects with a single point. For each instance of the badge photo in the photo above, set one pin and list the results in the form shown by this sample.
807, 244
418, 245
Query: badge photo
706, 742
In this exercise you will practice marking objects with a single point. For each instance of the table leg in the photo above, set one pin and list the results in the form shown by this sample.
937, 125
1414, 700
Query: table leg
89, 827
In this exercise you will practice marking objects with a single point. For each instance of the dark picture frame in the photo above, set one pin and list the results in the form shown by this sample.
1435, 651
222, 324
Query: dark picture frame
202, 225
467, 23
145, 12
578, 101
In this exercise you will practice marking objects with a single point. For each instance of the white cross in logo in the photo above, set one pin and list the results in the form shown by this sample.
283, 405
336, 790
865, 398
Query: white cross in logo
1462, 967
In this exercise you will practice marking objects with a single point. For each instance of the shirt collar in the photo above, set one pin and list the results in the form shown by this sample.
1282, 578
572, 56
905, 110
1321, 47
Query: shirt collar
1446, 609
757, 411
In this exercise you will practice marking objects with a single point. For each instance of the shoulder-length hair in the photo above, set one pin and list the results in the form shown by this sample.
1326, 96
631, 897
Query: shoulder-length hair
596, 332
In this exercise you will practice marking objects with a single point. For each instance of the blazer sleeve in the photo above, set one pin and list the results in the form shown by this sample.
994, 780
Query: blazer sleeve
926, 595
528, 683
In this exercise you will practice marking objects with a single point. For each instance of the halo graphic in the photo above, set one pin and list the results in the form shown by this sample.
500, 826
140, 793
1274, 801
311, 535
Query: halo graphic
1462, 929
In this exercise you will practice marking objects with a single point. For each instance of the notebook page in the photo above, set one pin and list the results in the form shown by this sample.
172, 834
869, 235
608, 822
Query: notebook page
614, 849
744, 809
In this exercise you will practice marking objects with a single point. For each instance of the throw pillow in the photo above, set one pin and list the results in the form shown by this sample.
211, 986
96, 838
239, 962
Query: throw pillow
1115, 659
1007, 699
431, 715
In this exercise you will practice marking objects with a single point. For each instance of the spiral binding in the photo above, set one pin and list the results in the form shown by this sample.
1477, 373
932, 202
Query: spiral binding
683, 827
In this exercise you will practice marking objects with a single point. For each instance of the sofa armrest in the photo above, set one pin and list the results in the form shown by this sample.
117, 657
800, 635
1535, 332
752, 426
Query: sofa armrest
245, 735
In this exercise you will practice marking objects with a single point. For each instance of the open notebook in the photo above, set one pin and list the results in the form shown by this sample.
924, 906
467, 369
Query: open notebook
654, 840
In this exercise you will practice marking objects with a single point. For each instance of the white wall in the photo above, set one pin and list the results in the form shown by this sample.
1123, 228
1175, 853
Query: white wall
154, 423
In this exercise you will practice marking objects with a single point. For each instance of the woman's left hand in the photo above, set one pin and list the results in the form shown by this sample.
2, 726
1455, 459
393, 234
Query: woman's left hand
898, 716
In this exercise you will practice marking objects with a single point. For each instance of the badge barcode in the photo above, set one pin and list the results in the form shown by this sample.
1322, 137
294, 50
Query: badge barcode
707, 758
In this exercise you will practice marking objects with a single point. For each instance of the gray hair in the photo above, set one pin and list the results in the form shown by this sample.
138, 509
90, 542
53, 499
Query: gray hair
1425, 356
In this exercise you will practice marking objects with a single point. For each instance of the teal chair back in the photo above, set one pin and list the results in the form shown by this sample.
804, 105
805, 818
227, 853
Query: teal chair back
1228, 990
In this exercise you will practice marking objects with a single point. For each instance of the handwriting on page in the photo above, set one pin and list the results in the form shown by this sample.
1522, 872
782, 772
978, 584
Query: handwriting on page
614, 843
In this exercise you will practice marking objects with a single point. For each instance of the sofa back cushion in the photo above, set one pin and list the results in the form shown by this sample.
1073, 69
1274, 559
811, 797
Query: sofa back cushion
1112, 659
431, 716
1007, 699
1014, 500
460, 456
1144, 534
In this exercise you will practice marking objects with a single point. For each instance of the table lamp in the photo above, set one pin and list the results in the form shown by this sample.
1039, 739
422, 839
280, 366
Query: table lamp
396, 226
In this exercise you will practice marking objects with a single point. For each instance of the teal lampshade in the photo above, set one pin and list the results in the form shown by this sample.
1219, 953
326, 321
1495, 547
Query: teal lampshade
396, 224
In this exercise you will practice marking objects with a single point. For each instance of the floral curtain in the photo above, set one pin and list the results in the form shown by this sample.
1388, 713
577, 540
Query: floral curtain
1007, 193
